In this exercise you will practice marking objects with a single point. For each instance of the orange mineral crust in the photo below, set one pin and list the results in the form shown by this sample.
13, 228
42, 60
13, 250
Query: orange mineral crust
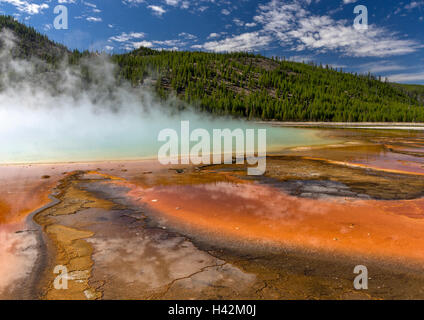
380, 229
22, 190
25, 188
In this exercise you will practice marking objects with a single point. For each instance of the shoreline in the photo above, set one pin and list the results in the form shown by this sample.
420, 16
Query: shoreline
43, 253
149, 202
348, 125
272, 149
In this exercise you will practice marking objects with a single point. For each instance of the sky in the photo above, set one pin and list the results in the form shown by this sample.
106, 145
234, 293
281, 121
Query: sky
390, 44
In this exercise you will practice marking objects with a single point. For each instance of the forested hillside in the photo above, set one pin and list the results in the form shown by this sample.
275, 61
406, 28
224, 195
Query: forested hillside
253, 86
29, 42
245, 85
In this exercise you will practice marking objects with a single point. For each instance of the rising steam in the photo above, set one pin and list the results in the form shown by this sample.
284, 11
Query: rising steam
54, 114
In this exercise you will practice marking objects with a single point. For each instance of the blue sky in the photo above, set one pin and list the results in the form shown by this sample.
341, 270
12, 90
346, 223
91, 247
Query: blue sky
302, 30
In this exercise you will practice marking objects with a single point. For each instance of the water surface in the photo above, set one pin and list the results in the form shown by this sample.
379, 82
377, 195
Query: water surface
75, 135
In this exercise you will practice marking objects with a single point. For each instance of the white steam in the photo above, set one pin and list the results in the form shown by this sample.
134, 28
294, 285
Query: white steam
53, 115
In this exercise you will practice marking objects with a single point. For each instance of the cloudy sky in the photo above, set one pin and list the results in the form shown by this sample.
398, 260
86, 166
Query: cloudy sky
302, 30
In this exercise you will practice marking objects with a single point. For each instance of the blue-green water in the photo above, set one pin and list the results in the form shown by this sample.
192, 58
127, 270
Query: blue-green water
75, 135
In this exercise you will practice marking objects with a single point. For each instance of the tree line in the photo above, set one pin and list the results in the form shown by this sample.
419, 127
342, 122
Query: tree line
243, 84
255, 87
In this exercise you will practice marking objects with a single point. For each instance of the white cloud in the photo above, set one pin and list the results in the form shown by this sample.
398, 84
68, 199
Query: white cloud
182, 4
27, 6
124, 37
294, 26
136, 45
414, 4
47, 26
251, 24
169, 43
202, 8
89, 4
213, 35
158, 10
132, 40
238, 22
172, 2
132, 2
225, 12
174, 44
244, 42
187, 36
93, 19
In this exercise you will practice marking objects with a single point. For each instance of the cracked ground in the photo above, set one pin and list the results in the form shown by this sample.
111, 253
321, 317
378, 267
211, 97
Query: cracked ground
115, 248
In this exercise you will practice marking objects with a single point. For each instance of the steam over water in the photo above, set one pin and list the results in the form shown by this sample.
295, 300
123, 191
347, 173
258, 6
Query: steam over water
55, 116
78, 134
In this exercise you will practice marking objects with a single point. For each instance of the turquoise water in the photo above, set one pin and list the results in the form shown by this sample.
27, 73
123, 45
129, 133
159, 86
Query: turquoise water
75, 135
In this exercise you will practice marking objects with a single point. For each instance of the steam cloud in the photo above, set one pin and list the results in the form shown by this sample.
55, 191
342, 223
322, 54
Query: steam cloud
54, 114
